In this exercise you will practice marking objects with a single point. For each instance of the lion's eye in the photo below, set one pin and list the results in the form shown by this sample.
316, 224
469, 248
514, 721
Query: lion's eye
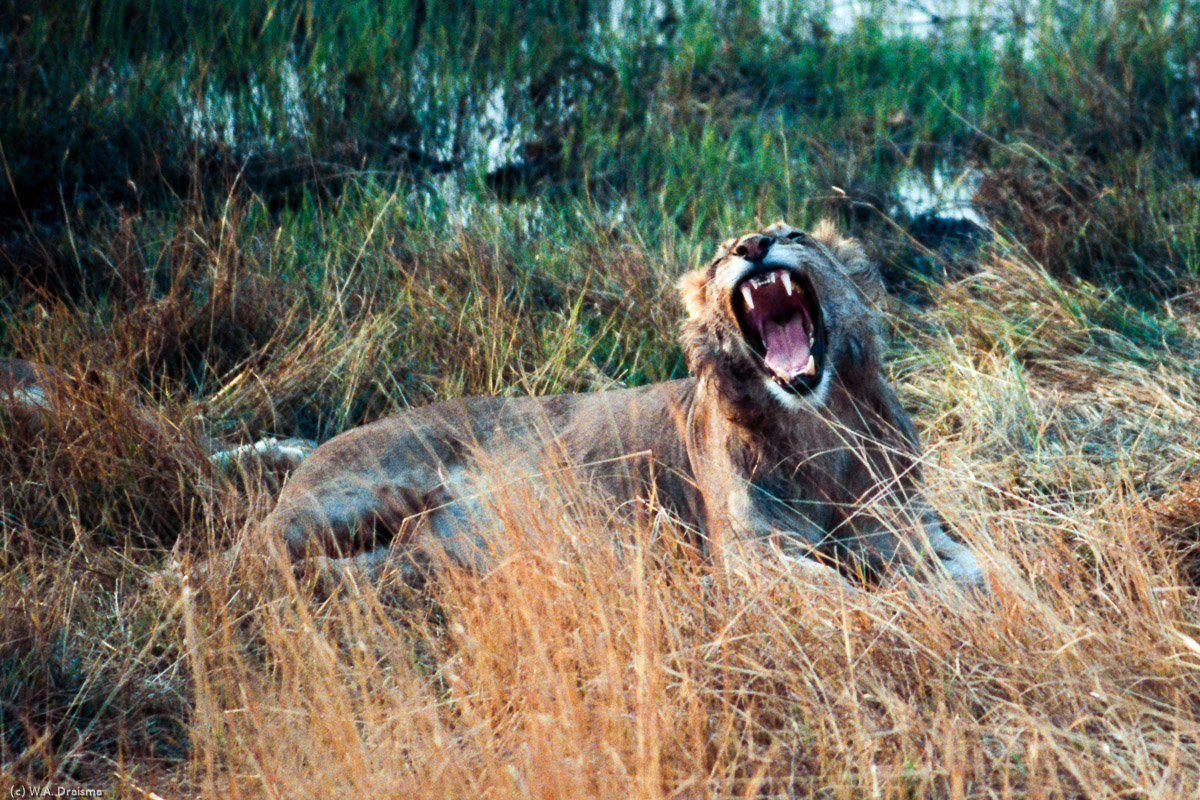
796, 236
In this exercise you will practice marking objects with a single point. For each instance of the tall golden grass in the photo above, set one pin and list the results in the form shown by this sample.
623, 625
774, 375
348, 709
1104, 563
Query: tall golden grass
603, 657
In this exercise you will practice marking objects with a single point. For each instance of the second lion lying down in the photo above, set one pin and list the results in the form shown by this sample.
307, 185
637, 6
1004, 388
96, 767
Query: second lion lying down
786, 436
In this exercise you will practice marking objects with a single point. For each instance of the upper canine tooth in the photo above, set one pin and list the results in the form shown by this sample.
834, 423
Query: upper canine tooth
747, 294
811, 367
787, 282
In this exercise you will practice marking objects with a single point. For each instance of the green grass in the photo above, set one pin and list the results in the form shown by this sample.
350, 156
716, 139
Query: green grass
234, 220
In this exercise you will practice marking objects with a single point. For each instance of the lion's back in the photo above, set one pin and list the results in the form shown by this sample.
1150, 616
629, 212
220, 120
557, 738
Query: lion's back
626, 444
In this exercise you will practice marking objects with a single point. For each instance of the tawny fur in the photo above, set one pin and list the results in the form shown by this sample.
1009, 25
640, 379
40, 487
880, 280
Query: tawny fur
830, 474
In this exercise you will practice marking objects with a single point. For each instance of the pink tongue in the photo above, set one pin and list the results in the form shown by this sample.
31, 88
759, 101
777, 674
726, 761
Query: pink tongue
787, 346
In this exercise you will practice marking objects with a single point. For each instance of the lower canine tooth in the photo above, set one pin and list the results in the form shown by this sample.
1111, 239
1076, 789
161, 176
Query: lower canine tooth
811, 367
746, 293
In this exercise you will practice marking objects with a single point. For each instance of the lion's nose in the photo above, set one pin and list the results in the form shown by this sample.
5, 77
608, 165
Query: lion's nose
753, 248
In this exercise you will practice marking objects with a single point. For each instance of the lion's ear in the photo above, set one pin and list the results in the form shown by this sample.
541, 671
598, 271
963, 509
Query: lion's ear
851, 257
867, 278
691, 288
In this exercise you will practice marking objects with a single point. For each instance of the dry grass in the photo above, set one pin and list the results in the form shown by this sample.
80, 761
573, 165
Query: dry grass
575, 671
579, 669
305, 277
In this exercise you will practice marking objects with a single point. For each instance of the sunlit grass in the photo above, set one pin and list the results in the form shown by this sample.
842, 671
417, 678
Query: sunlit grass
301, 281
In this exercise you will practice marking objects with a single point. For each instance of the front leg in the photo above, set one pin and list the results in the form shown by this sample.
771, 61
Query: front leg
911, 540
752, 531
955, 558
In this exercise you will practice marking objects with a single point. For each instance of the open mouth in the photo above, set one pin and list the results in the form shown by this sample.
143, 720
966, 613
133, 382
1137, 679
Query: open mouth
780, 319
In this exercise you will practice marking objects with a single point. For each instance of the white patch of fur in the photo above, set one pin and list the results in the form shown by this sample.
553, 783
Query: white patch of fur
33, 397
781, 255
733, 272
962, 567
264, 448
800, 402
781, 248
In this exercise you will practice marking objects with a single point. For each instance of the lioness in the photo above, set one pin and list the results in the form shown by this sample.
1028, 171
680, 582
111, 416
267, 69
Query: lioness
787, 434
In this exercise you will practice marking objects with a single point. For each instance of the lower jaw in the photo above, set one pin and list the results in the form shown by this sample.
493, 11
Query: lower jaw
795, 401
799, 390
800, 385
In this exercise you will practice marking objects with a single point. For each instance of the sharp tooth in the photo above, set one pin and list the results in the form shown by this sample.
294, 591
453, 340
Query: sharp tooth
747, 295
787, 282
811, 367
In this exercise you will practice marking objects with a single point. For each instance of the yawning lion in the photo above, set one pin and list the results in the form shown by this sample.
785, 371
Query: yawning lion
786, 437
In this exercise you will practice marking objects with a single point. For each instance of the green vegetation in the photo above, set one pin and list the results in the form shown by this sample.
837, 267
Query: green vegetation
238, 219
